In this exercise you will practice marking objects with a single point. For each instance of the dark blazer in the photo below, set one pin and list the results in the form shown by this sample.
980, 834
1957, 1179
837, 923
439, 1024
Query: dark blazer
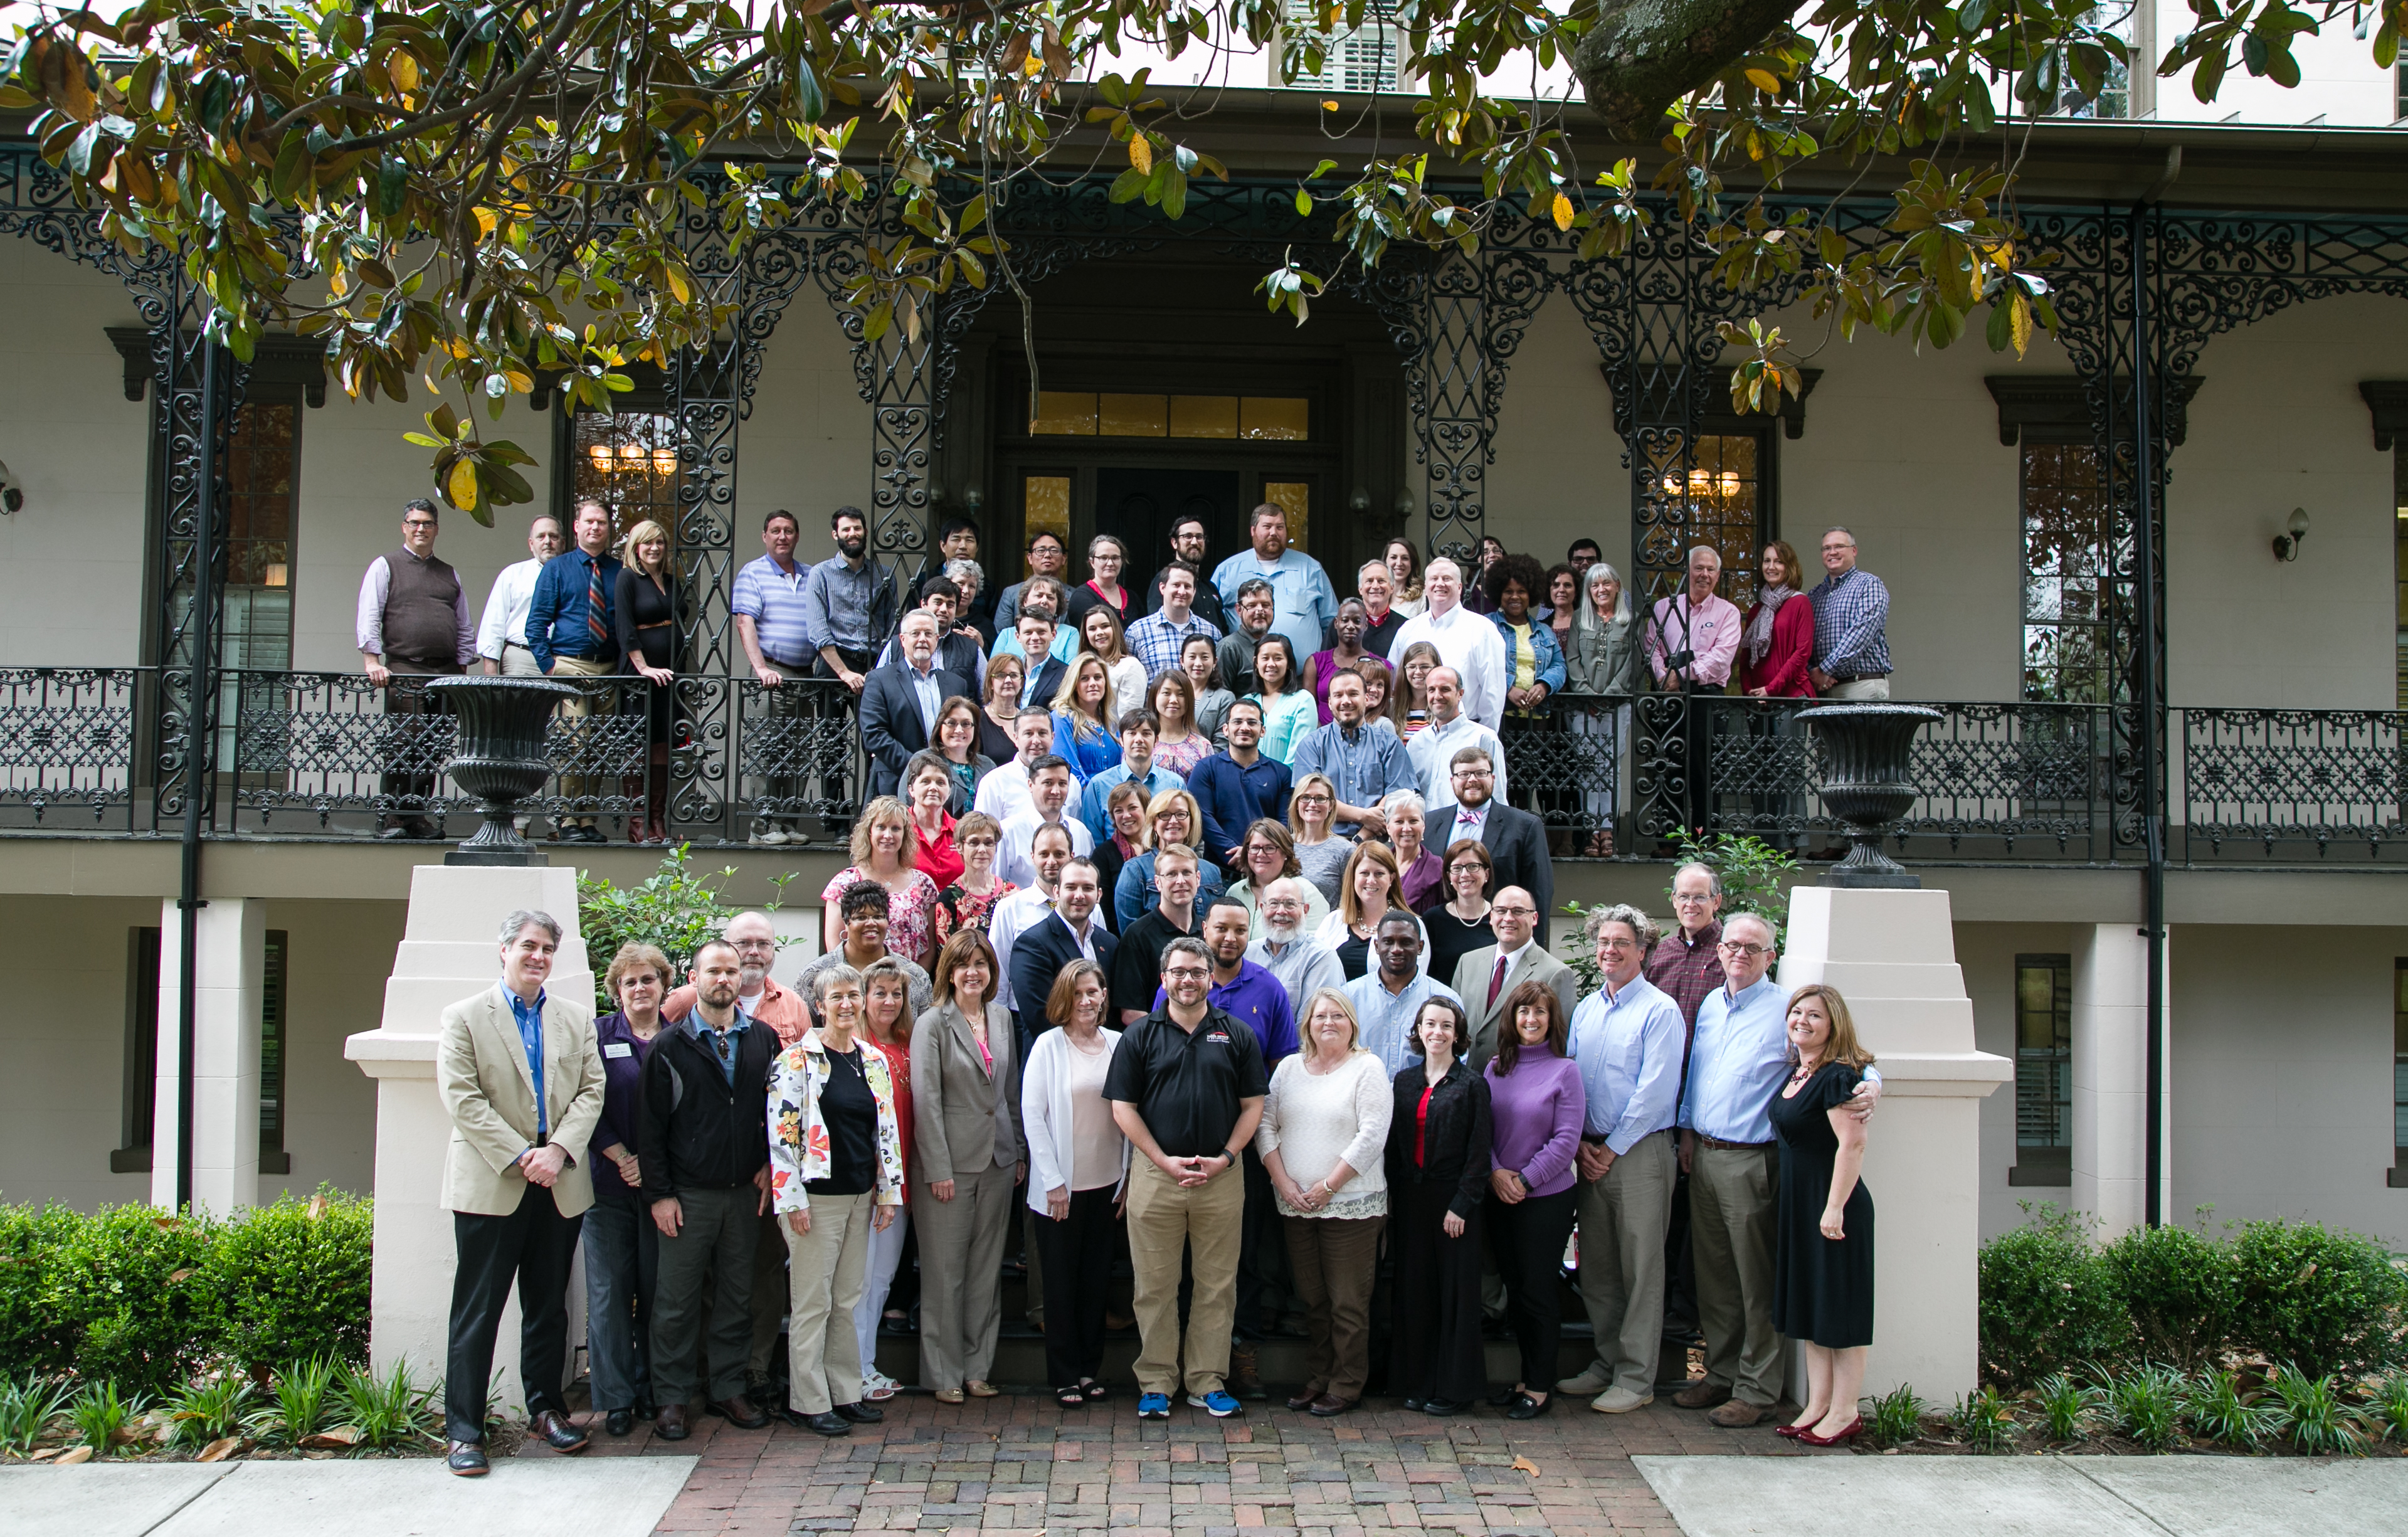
1517, 844
1038, 956
1049, 683
890, 722
1455, 1145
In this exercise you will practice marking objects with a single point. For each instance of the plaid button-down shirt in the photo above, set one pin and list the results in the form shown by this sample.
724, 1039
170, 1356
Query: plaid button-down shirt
1851, 625
1156, 641
1686, 970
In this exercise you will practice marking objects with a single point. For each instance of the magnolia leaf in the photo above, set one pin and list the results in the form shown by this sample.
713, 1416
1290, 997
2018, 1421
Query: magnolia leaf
1563, 211
460, 486
219, 1450
1141, 152
69, 1458
1765, 81
1523, 1464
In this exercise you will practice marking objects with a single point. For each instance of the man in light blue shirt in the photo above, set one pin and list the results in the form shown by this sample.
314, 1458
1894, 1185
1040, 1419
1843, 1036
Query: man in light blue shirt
1303, 603
1627, 1040
1139, 730
1366, 764
1386, 997
1738, 1059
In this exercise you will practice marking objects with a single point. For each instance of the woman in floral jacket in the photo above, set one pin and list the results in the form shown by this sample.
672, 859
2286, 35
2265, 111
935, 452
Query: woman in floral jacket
836, 1172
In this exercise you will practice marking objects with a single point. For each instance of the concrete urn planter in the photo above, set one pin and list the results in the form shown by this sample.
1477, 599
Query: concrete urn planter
1868, 749
499, 757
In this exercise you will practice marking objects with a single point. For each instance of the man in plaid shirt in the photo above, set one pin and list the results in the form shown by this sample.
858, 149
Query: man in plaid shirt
1157, 640
1851, 625
1687, 964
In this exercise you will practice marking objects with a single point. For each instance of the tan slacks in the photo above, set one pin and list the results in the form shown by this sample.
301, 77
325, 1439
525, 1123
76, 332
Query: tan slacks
1731, 1241
576, 788
1166, 1223
822, 1350
1622, 1222
1334, 1262
961, 1274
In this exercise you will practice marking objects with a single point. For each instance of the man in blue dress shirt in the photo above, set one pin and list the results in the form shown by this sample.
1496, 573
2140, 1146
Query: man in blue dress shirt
572, 633
1303, 600
1627, 1041
1738, 1061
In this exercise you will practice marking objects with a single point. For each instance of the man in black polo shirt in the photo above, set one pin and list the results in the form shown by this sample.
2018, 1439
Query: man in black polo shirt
1186, 1087
1138, 963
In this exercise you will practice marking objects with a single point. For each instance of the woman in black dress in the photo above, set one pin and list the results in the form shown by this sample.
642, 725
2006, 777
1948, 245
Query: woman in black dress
1457, 914
1823, 1252
645, 609
1438, 1176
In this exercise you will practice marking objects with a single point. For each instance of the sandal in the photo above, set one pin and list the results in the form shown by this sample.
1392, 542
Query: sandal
982, 1389
1070, 1398
948, 1395
1096, 1392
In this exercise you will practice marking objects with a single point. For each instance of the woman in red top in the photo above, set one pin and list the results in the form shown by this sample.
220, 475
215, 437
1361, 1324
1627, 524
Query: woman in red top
1777, 647
886, 1022
929, 783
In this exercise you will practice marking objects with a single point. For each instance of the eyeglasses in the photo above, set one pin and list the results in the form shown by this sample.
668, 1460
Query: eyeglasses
1617, 945
1729, 948
1470, 866
1679, 897
1312, 800
1503, 912
1475, 773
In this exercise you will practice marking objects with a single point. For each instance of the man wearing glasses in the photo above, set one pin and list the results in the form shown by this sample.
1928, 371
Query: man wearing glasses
1626, 1043
1516, 842
1686, 965
1485, 978
1737, 1057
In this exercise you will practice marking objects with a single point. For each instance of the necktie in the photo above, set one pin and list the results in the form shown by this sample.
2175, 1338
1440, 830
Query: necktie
596, 625
1497, 980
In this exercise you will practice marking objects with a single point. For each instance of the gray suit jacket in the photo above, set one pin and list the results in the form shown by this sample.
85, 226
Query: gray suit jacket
964, 1115
1471, 985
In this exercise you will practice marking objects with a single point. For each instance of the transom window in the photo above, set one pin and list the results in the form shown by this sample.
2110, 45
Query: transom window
629, 459
1065, 413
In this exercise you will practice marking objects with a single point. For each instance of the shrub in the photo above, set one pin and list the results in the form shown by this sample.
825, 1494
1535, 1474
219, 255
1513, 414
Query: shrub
295, 1279
1897, 1417
2049, 1302
674, 908
2308, 1413
304, 1404
30, 1335
391, 1411
102, 1418
2322, 1300
210, 1409
2177, 1288
126, 1298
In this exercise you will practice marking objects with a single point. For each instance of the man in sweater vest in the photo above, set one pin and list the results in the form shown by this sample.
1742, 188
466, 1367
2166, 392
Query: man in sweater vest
413, 622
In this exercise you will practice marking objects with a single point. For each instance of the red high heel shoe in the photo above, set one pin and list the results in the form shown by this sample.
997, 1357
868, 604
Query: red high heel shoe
1791, 1431
1845, 1433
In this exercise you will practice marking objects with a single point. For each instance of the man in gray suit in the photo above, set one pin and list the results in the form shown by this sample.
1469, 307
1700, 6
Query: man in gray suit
522, 1080
1485, 978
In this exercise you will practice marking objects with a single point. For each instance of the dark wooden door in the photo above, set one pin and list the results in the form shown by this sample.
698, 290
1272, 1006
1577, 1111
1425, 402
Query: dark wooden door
1137, 506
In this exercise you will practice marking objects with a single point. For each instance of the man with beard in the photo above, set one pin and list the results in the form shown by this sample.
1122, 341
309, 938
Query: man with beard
848, 603
1366, 764
1301, 964
1187, 549
1301, 596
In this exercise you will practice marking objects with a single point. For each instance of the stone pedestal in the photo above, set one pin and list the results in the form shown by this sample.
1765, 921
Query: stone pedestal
1892, 954
2111, 1081
451, 949
229, 968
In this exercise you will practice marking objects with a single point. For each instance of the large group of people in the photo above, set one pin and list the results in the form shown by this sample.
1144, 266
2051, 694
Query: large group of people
1252, 1111
1236, 682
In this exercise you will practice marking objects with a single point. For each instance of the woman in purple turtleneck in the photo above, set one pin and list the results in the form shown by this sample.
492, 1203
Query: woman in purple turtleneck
1536, 1108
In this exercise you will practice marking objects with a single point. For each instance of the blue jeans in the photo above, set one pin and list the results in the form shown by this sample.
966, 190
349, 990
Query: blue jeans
622, 1263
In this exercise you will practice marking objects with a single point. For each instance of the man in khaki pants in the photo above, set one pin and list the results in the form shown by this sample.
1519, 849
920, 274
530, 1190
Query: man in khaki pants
1186, 1087
1628, 1042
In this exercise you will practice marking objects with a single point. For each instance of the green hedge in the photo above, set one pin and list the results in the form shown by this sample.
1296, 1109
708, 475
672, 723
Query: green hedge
2321, 1299
137, 1297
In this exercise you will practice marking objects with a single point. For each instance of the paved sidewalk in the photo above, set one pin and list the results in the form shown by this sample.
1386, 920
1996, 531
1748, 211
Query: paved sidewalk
1023, 1464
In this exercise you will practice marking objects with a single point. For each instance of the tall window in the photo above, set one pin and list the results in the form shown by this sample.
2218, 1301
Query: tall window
2399, 1175
273, 1158
138, 1093
263, 467
1724, 502
629, 459
2068, 575
2044, 1070
2399, 556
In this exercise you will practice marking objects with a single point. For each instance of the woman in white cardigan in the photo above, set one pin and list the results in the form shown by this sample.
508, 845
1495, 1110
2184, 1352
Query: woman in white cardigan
1078, 1173
1322, 1141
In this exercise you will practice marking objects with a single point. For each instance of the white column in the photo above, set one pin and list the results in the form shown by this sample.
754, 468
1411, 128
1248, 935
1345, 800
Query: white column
230, 965
451, 949
2110, 1079
1892, 954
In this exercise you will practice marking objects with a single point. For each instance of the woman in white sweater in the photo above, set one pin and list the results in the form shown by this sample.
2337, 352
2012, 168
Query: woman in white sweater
1078, 1171
1325, 1127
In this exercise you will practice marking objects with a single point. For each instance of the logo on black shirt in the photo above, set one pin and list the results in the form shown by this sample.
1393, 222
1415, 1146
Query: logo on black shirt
1221, 1036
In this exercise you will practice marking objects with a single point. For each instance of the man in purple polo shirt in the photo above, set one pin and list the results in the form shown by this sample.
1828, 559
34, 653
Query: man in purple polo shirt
1249, 994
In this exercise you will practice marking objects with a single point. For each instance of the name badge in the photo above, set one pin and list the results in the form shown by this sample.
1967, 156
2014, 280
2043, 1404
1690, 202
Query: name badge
618, 1048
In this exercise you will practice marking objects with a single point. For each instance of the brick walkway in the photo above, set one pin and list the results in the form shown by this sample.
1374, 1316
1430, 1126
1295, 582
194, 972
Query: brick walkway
1023, 1464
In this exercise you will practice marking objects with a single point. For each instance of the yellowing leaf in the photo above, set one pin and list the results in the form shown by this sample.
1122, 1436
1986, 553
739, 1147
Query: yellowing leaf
679, 287
1563, 211
1524, 1464
67, 1459
217, 1451
404, 70
2020, 318
461, 489
1765, 81
1142, 153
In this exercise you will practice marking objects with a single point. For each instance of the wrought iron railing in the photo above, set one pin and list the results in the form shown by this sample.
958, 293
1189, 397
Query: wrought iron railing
330, 753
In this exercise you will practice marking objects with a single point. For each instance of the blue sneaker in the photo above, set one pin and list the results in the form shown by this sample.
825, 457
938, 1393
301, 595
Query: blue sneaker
1153, 1406
1219, 1403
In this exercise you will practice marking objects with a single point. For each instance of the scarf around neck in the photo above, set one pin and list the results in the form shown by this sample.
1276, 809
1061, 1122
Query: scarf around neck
1759, 638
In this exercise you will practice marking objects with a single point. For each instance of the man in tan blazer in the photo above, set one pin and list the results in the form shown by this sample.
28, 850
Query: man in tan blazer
1485, 986
521, 1079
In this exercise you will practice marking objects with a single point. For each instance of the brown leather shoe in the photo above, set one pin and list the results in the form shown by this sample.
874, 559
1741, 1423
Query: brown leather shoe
557, 1432
1701, 1395
1244, 1380
670, 1424
1302, 1400
1329, 1404
1738, 1415
738, 1411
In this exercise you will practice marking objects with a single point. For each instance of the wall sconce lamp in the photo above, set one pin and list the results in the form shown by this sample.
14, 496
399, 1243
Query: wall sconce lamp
1360, 502
1404, 504
12, 495
2286, 546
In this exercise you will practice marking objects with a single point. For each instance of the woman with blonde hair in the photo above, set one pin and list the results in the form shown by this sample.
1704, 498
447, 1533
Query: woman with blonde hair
966, 1133
884, 852
1104, 637
1371, 887
1313, 821
1321, 1140
1171, 817
1408, 817
1823, 1228
1603, 657
969, 901
1082, 720
1078, 1175
644, 609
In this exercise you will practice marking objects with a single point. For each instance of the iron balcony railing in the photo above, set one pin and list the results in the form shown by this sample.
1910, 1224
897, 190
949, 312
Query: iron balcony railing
332, 754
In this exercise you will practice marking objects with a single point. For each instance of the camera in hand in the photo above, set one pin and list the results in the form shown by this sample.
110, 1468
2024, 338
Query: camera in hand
1679, 661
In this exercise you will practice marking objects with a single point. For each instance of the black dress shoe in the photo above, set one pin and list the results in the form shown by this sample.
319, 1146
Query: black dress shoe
738, 1411
467, 1459
1445, 1406
829, 1424
1417, 1405
670, 1424
557, 1431
861, 1414
1526, 1407
1504, 1399
646, 1408
620, 1421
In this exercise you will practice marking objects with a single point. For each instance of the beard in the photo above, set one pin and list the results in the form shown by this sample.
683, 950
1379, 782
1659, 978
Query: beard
853, 548
751, 979
1281, 933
